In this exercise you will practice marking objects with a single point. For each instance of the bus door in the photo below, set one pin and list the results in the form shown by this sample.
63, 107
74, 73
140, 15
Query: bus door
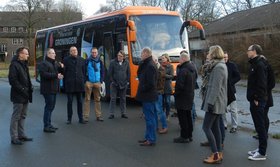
107, 56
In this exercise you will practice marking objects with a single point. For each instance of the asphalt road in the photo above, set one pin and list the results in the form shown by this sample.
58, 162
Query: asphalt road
113, 142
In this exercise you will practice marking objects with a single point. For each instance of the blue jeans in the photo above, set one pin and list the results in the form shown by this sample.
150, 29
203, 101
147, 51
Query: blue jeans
50, 100
166, 103
194, 115
211, 128
149, 111
160, 113
258, 116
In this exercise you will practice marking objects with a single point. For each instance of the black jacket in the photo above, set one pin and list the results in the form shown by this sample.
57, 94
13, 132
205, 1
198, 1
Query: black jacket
147, 75
233, 78
257, 80
19, 79
49, 70
74, 74
185, 85
119, 74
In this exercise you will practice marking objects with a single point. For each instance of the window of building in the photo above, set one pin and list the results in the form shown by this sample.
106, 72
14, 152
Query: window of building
20, 29
3, 48
13, 29
17, 41
5, 29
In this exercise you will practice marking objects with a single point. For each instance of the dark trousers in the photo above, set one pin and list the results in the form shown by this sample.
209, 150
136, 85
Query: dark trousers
258, 116
122, 94
50, 100
266, 119
185, 121
211, 128
79, 105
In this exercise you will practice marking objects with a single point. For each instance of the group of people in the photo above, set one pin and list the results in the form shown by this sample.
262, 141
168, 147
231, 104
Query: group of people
219, 77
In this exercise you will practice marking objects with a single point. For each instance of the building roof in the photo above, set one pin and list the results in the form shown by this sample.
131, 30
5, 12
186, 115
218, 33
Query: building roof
242, 21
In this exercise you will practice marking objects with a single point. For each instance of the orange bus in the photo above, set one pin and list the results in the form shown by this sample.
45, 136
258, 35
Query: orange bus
129, 29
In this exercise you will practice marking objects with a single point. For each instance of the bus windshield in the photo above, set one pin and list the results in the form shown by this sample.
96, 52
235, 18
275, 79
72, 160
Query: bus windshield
160, 33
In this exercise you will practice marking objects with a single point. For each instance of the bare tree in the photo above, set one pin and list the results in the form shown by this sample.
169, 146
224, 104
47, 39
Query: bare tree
47, 5
68, 9
27, 14
117, 4
171, 5
186, 7
151, 2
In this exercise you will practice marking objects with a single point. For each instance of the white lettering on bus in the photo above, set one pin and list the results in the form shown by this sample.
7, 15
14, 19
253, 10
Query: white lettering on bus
65, 41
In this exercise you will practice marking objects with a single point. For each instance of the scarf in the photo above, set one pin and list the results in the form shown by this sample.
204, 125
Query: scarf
205, 74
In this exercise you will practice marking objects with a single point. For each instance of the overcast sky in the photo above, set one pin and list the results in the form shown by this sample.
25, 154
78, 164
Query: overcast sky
88, 6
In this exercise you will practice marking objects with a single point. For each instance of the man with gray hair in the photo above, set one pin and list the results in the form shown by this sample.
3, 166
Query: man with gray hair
184, 95
147, 94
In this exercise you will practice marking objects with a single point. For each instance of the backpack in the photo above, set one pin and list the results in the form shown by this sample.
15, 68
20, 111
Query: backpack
270, 74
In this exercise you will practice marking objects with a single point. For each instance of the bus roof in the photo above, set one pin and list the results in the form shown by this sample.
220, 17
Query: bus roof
130, 10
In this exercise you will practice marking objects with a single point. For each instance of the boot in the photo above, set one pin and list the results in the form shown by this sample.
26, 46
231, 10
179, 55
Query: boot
213, 159
221, 155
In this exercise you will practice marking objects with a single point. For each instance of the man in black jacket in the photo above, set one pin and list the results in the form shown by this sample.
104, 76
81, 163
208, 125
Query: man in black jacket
119, 72
21, 95
50, 73
184, 95
74, 73
233, 78
257, 96
147, 94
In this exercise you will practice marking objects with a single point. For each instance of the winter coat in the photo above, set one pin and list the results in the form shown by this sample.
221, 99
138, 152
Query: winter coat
94, 70
161, 79
169, 74
49, 70
216, 91
147, 76
257, 80
233, 78
19, 79
119, 74
185, 85
74, 74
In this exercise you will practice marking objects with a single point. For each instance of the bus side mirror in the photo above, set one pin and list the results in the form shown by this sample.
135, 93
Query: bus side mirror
132, 30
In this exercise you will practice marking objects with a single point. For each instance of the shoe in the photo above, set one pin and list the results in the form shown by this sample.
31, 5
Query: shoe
221, 155
142, 141
251, 153
163, 131
82, 122
174, 115
111, 116
180, 140
147, 143
68, 122
16, 142
205, 144
25, 138
124, 116
190, 139
99, 119
233, 130
257, 157
49, 130
53, 127
256, 137
213, 159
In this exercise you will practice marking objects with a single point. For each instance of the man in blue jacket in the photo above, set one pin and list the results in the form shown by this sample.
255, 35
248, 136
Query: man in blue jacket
94, 78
